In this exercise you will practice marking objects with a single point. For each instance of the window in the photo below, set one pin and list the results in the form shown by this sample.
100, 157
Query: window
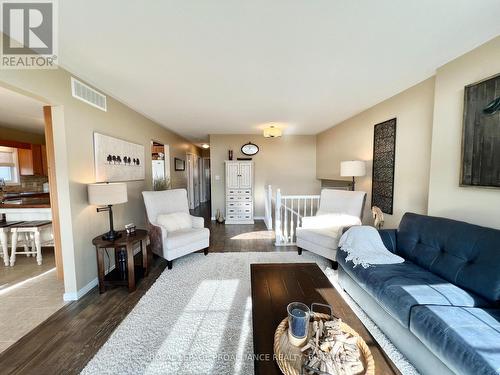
6, 173
9, 168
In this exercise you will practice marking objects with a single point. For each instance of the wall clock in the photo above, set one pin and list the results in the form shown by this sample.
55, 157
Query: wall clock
249, 149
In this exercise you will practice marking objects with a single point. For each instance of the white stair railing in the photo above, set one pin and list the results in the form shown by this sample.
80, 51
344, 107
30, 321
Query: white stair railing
289, 211
268, 207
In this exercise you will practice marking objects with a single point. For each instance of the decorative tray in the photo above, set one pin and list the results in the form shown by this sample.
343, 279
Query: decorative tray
291, 360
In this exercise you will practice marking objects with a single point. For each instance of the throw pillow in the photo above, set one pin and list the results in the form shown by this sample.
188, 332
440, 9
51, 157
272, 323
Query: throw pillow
175, 221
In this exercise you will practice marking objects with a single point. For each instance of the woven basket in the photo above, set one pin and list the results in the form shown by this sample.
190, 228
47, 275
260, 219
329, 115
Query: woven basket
285, 352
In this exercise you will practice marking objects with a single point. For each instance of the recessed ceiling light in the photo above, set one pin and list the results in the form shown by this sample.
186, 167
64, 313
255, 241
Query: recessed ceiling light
205, 146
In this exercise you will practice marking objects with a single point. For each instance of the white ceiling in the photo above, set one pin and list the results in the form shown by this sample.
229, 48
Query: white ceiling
227, 66
21, 112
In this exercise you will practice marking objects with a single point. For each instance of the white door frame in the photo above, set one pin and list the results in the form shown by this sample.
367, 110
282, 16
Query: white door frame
193, 179
190, 179
200, 181
166, 159
205, 180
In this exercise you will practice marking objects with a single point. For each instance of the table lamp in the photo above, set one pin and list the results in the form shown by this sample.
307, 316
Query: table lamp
352, 168
107, 194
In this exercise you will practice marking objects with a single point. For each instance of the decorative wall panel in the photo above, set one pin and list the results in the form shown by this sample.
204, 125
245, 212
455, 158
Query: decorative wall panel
481, 134
384, 151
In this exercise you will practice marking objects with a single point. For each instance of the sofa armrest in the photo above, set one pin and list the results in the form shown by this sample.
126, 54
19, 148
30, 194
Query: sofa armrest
389, 239
156, 236
346, 228
328, 221
198, 222
309, 222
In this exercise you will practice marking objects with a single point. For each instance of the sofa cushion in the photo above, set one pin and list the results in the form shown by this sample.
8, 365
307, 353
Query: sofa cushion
399, 287
185, 237
388, 237
165, 202
322, 237
466, 339
464, 254
341, 202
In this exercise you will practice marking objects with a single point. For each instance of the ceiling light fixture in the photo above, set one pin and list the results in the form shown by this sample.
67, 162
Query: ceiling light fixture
272, 132
205, 146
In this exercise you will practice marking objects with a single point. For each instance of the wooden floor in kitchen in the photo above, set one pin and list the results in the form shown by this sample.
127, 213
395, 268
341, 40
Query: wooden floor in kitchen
67, 340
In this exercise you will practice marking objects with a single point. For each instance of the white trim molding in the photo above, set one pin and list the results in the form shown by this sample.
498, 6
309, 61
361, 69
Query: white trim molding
74, 296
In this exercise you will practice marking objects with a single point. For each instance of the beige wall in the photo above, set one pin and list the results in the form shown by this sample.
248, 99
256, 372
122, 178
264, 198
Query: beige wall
74, 125
288, 163
12, 134
446, 197
353, 140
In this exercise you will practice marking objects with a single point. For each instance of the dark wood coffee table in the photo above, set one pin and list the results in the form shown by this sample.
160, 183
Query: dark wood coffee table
274, 286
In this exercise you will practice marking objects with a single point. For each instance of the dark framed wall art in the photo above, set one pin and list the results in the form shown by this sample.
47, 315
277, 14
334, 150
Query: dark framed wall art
384, 156
481, 134
179, 164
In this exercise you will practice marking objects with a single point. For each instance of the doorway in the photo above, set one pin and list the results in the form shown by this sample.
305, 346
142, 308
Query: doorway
193, 179
29, 221
160, 164
205, 179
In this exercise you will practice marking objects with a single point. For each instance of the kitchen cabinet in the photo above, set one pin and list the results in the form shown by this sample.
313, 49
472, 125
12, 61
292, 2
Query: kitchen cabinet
157, 149
36, 151
45, 165
25, 158
33, 161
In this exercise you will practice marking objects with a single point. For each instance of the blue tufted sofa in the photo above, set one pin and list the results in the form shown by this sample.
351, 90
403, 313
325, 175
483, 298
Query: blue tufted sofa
441, 306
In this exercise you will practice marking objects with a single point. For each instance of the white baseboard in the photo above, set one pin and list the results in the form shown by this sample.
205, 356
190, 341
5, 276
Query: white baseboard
255, 218
75, 296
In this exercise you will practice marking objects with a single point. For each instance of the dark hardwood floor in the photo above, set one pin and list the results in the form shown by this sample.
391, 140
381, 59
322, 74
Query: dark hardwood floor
65, 342
233, 238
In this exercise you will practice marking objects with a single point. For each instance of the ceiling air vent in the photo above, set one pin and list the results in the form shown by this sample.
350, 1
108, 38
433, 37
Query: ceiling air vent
87, 94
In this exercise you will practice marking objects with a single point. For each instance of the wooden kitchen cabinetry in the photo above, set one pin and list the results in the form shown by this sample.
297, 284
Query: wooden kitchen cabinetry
45, 166
25, 157
33, 161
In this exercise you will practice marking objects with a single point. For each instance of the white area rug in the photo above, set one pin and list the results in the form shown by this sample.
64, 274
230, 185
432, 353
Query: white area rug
197, 319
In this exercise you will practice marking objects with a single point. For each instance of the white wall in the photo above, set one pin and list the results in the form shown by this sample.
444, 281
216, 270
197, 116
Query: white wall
288, 163
353, 140
74, 125
446, 198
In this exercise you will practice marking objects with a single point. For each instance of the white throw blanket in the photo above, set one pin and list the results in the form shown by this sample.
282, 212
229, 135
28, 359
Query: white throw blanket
364, 246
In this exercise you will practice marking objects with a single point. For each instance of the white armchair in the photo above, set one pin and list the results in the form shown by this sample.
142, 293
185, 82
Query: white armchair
181, 237
337, 209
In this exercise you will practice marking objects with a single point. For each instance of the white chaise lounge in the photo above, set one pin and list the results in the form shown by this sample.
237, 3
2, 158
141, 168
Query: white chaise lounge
337, 209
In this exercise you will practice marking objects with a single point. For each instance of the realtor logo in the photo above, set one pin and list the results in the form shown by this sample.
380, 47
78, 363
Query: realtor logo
28, 35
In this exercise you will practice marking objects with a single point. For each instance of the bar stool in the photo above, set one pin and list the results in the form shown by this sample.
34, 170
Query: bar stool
30, 230
4, 240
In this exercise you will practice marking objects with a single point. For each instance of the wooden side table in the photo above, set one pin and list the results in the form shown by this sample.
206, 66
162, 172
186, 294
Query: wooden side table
125, 244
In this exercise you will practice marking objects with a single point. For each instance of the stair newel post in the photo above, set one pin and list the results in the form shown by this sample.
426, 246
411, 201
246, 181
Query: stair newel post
279, 234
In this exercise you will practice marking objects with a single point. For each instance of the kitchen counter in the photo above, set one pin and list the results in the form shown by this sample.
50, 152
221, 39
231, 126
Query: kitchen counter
18, 212
25, 200
21, 204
